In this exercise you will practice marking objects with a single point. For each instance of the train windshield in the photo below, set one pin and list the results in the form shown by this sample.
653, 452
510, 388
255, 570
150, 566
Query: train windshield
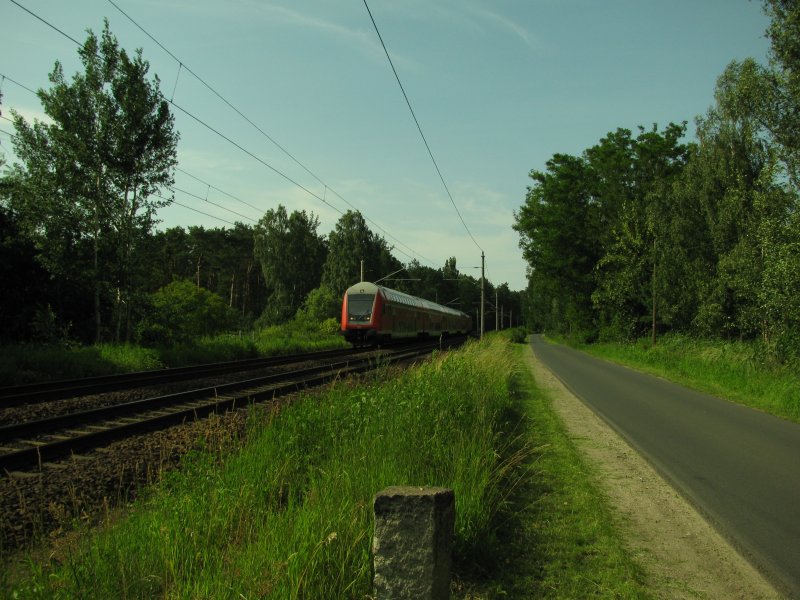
359, 307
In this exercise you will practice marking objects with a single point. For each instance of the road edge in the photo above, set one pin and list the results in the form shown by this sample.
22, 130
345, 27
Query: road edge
681, 553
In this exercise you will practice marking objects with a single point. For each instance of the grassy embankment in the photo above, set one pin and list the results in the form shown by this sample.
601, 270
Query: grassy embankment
26, 363
289, 514
737, 371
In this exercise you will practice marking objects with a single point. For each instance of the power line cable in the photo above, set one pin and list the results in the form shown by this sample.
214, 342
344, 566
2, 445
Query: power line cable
200, 121
182, 65
24, 87
250, 154
198, 211
226, 138
66, 35
171, 189
213, 187
246, 152
408, 102
177, 189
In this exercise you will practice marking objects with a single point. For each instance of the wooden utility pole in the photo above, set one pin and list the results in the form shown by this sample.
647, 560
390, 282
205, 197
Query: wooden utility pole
496, 313
654, 292
483, 257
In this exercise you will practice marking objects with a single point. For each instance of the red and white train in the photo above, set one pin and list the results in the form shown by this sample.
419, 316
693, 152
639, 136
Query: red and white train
373, 313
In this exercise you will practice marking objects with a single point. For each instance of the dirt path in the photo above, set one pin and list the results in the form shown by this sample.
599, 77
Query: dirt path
683, 556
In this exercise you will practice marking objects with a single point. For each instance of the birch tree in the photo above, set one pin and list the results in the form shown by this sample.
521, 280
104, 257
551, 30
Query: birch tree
92, 175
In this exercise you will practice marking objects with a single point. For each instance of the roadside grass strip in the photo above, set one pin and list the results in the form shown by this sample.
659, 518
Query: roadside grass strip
738, 371
561, 542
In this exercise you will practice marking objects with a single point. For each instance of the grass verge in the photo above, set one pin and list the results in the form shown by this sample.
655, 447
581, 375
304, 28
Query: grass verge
732, 370
289, 515
559, 541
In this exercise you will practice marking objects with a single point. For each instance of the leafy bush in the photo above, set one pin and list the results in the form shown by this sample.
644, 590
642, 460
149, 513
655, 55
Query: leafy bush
329, 327
299, 335
321, 304
517, 335
182, 312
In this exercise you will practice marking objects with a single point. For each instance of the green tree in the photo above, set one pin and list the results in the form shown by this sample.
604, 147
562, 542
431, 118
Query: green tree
419, 280
778, 90
559, 240
93, 175
750, 207
632, 178
219, 259
291, 254
349, 243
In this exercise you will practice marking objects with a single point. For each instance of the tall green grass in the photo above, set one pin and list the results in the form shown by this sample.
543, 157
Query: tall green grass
27, 362
558, 536
290, 514
299, 336
739, 371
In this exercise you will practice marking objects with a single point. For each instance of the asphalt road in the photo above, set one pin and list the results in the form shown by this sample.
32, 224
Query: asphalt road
738, 466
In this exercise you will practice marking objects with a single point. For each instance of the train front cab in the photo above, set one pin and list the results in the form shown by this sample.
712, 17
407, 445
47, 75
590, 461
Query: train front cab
360, 314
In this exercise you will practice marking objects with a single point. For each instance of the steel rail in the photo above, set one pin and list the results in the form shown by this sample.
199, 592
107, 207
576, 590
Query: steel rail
69, 388
243, 393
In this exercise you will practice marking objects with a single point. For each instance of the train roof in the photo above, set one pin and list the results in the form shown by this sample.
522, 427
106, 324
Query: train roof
366, 287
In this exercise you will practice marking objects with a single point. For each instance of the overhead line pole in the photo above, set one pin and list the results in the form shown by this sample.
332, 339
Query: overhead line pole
497, 317
482, 294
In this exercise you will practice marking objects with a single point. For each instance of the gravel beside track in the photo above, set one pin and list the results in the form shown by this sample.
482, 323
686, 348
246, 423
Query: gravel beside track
32, 412
86, 487
45, 506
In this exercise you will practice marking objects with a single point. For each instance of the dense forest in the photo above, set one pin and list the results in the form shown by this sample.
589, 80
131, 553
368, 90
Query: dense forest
81, 258
646, 233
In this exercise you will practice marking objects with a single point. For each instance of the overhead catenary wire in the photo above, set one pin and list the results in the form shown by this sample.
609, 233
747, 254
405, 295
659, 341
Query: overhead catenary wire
198, 120
171, 200
419, 128
213, 187
182, 65
197, 211
232, 142
177, 189
17, 83
34, 15
251, 155
173, 188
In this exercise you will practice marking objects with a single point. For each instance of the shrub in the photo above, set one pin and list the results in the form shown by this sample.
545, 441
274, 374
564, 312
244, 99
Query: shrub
321, 304
182, 312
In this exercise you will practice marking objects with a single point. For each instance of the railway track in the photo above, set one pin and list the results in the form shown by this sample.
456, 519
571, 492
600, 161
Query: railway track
27, 445
54, 390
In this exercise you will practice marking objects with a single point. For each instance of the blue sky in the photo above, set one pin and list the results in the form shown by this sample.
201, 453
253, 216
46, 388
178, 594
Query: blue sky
498, 87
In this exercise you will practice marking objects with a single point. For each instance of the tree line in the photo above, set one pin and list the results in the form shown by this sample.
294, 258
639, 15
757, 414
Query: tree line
81, 259
645, 233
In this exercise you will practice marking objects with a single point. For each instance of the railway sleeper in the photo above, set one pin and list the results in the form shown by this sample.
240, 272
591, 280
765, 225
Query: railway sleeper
23, 474
79, 457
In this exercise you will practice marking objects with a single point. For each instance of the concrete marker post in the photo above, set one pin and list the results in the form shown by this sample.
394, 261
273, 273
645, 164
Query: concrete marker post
413, 543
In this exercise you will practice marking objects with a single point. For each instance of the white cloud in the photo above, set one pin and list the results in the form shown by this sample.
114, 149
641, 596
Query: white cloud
506, 23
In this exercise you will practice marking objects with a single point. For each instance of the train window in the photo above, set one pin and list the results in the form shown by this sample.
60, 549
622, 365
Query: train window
359, 307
